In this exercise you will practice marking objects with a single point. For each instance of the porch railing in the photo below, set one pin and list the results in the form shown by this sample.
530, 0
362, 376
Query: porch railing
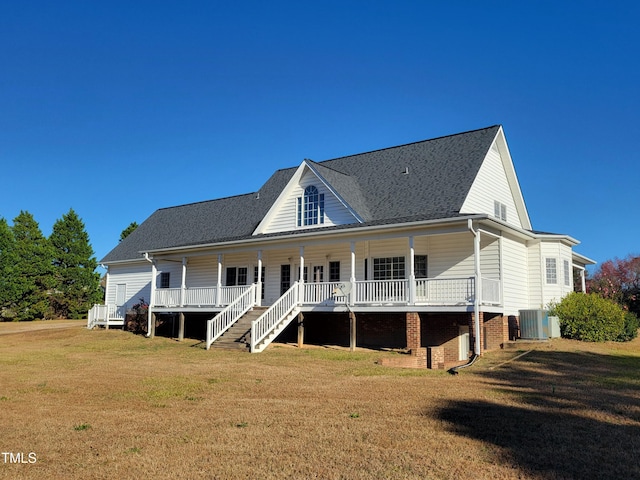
320, 292
229, 315
445, 291
274, 315
491, 291
168, 297
106, 315
381, 291
428, 291
197, 296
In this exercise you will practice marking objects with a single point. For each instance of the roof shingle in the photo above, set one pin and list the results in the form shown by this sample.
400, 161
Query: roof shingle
427, 180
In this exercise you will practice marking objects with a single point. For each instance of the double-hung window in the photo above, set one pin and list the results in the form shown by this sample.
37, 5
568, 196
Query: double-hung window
389, 268
420, 266
285, 278
551, 270
165, 279
334, 271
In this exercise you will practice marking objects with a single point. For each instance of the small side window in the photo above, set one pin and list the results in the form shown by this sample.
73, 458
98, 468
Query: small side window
551, 271
165, 279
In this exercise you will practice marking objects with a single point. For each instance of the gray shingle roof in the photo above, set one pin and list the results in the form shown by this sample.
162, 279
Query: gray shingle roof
426, 180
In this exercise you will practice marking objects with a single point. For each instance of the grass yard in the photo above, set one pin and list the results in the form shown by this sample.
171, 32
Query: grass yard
109, 404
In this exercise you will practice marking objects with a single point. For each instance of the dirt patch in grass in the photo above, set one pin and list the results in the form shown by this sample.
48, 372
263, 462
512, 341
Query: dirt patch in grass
108, 404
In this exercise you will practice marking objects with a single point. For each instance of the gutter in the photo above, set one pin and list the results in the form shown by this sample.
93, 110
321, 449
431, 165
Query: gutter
312, 233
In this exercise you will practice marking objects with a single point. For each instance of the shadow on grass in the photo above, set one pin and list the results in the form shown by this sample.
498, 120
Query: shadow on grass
560, 415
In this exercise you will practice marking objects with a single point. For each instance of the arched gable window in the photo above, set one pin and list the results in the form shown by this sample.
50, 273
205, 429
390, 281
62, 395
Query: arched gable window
311, 207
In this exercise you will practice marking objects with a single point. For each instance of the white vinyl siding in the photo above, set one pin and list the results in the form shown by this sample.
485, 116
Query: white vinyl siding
489, 257
554, 252
335, 213
516, 278
491, 185
136, 277
202, 272
451, 255
174, 269
536, 276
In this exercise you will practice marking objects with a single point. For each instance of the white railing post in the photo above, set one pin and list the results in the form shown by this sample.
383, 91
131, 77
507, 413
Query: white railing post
260, 280
352, 278
219, 284
411, 300
209, 333
183, 283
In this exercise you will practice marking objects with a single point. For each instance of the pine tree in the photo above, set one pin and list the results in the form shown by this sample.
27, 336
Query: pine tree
32, 273
76, 285
7, 277
127, 231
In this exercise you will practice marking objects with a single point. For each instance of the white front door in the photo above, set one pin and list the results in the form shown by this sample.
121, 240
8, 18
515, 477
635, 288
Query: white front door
121, 299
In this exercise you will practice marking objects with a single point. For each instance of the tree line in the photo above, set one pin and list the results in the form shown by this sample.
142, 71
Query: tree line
44, 278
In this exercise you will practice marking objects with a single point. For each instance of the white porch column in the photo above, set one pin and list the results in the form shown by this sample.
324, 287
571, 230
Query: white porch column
183, 283
301, 291
259, 283
412, 273
477, 296
583, 281
106, 287
352, 278
151, 320
219, 284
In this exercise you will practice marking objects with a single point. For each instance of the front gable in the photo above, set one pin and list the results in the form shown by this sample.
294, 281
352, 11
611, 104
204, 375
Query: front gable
307, 186
495, 190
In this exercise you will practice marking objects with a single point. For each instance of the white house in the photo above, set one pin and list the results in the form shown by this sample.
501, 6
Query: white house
426, 246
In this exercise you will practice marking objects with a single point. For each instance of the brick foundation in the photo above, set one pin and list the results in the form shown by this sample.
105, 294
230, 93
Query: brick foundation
443, 330
416, 359
495, 330
435, 357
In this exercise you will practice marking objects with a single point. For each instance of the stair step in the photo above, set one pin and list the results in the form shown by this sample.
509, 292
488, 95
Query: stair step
237, 336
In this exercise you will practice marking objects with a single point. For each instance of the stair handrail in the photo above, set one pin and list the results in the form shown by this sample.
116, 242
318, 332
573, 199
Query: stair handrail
229, 315
97, 314
269, 320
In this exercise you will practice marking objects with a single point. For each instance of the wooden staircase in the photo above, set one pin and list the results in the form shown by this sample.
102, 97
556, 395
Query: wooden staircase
237, 337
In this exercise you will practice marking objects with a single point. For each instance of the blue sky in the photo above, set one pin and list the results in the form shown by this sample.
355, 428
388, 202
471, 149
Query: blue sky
116, 109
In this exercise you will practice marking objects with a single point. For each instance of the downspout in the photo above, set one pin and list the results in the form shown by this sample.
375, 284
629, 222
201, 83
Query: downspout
476, 302
476, 297
153, 281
